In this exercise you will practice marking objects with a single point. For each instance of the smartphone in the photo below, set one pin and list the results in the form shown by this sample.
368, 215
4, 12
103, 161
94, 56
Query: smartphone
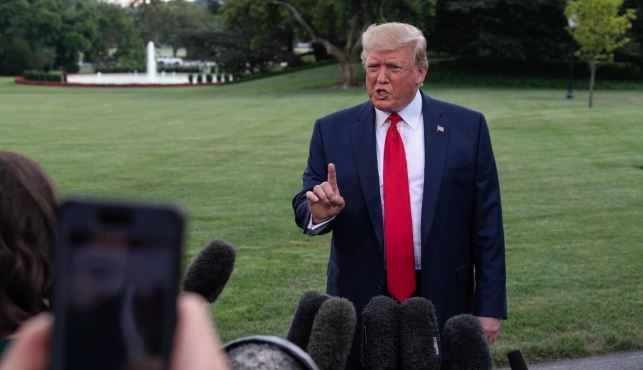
116, 273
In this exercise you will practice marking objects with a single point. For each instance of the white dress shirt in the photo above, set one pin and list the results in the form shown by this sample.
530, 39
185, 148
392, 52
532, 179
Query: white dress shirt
411, 129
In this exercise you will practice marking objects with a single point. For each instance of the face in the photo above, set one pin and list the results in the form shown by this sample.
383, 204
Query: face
392, 78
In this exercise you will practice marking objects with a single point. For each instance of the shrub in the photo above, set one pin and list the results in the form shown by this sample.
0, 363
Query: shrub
118, 69
191, 78
179, 69
72, 67
132, 68
199, 78
44, 76
209, 78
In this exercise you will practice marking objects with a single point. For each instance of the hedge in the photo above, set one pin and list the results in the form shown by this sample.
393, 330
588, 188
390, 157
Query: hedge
142, 69
44, 76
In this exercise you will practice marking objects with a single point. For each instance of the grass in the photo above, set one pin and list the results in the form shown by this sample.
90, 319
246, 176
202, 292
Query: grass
232, 158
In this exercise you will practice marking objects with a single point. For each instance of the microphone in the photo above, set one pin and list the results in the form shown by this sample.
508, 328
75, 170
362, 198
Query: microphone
419, 335
380, 334
332, 333
210, 270
267, 353
302, 321
466, 343
516, 361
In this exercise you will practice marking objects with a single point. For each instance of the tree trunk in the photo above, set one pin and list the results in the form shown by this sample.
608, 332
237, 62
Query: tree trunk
349, 74
346, 56
592, 77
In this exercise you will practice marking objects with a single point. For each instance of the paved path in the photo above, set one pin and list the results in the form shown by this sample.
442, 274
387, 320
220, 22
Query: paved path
613, 361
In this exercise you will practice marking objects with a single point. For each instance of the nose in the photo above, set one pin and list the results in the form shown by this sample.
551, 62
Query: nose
382, 75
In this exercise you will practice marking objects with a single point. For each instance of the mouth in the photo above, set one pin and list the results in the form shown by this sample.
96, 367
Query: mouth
381, 94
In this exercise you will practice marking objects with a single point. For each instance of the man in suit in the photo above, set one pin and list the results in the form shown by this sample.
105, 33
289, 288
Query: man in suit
408, 186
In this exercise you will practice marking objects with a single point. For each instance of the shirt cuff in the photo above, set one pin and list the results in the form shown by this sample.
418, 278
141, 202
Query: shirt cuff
315, 229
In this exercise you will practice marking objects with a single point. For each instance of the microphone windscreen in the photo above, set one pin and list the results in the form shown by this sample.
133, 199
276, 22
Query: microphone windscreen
261, 356
302, 321
267, 353
516, 361
419, 335
466, 343
331, 336
380, 334
210, 270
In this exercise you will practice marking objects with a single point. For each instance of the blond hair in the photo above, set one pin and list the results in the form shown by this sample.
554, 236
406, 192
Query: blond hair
392, 36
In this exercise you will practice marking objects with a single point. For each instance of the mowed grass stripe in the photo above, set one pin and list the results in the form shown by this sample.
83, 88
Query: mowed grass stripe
232, 158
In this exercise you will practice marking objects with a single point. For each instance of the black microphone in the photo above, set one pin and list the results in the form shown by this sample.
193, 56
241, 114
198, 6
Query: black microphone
302, 321
210, 270
466, 343
516, 361
419, 335
380, 334
332, 333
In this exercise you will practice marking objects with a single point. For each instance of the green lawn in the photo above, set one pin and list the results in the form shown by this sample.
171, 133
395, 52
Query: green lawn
232, 157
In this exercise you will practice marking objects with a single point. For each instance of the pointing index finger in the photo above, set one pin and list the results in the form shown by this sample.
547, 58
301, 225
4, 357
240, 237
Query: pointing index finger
332, 177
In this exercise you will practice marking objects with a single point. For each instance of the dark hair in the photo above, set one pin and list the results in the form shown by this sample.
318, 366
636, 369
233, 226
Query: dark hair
27, 220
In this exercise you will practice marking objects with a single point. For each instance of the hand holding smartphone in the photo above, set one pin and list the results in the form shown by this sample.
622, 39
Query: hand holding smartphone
116, 277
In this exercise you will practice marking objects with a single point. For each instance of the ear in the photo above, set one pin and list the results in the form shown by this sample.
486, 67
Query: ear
420, 76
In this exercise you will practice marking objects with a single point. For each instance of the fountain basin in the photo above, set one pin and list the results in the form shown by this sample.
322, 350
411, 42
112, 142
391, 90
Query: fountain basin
129, 79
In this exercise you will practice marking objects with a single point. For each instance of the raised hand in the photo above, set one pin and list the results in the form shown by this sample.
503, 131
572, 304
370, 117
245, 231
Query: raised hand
324, 201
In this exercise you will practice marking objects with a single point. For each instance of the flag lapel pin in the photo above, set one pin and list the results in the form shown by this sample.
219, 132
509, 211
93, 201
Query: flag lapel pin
440, 129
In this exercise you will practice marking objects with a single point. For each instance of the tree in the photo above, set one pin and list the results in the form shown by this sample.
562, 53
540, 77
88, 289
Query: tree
633, 52
176, 19
515, 30
337, 25
599, 31
257, 36
144, 8
117, 38
15, 50
43, 34
29, 29
76, 35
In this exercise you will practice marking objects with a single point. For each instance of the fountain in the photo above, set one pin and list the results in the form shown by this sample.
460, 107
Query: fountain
151, 78
151, 62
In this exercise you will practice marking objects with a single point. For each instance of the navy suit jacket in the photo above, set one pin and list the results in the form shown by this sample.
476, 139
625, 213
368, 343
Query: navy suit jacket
463, 260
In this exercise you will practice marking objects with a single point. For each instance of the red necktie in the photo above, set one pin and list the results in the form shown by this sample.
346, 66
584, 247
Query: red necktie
398, 229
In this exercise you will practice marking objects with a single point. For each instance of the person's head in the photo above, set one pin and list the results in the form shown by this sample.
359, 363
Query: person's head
28, 200
394, 57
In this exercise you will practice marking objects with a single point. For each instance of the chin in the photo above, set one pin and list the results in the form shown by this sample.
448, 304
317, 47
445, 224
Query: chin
382, 106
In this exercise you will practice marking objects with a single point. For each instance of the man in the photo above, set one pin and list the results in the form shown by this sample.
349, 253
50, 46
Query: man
414, 206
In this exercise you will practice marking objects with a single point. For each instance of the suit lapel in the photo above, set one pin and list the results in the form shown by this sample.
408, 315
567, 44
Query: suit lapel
436, 139
365, 151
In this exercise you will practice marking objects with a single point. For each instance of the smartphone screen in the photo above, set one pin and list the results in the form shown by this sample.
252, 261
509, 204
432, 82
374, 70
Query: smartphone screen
116, 280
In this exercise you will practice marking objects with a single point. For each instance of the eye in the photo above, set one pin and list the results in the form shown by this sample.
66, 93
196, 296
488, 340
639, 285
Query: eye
372, 68
396, 69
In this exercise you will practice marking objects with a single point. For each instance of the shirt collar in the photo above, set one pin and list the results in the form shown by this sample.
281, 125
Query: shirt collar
410, 114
